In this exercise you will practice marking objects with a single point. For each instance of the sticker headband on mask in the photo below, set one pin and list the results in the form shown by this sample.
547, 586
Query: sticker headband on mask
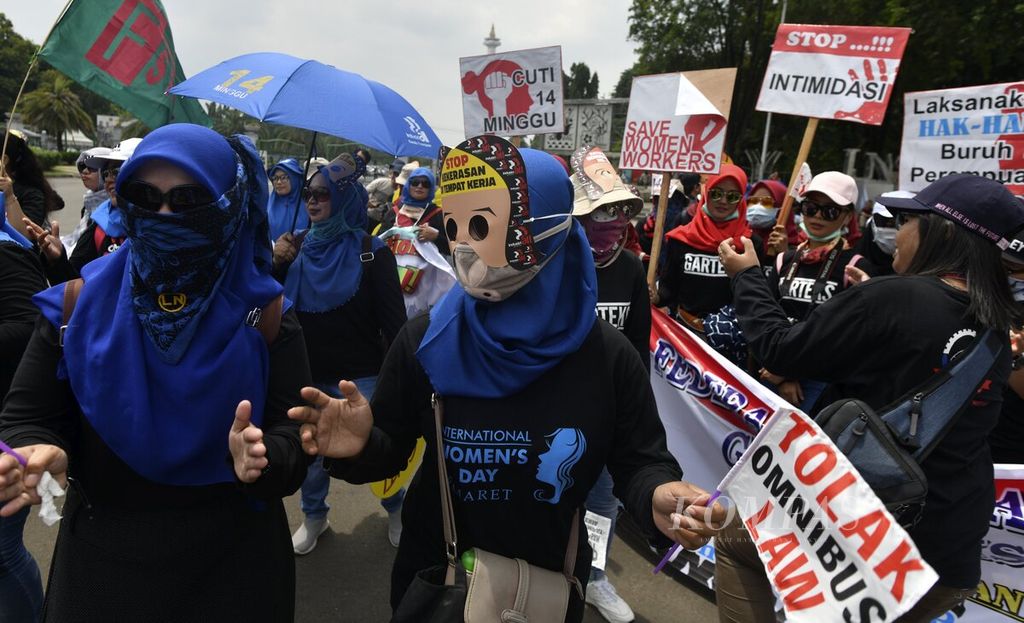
484, 163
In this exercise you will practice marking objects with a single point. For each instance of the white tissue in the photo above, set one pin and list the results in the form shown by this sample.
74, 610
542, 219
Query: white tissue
49, 489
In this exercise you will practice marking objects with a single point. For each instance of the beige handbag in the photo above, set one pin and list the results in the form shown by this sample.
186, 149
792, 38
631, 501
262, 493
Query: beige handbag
505, 590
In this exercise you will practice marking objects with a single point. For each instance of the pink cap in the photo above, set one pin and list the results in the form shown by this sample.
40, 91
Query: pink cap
838, 187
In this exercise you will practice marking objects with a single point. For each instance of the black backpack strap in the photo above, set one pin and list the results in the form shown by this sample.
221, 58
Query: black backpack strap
943, 398
367, 253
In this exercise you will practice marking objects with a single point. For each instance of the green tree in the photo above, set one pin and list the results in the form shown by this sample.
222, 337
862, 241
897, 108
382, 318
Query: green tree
55, 108
227, 120
579, 83
15, 54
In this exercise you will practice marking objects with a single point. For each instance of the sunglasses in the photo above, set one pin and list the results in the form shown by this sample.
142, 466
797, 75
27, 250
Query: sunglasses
732, 197
884, 221
902, 218
180, 198
279, 178
111, 174
83, 168
419, 182
767, 202
829, 211
614, 211
319, 195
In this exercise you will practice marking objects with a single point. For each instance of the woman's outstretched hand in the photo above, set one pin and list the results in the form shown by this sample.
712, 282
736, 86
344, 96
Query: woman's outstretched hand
333, 427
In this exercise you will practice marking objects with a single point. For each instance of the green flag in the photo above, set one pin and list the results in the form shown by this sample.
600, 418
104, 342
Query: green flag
122, 49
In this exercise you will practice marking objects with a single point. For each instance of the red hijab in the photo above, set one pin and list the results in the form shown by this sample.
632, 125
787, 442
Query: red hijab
778, 192
704, 234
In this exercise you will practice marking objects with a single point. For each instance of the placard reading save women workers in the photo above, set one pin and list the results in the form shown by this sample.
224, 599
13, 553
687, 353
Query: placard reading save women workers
832, 72
512, 93
672, 126
977, 130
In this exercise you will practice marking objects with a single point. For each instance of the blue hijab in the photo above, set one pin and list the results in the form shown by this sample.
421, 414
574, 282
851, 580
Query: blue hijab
328, 269
167, 417
281, 209
110, 219
480, 349
7, 231
422, 203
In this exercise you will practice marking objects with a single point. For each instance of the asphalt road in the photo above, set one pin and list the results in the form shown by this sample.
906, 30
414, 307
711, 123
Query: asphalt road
347, 577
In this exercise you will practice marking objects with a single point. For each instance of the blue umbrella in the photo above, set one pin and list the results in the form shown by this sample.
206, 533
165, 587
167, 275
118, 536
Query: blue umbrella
283, 89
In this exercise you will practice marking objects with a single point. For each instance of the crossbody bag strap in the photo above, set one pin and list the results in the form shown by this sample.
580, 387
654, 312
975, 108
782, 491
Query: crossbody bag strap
571, 551
944, 397
447, 510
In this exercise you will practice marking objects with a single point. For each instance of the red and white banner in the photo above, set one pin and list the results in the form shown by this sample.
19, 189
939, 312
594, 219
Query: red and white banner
831, 549
977, 130
710, 408
832, 72
513, 93
671, 126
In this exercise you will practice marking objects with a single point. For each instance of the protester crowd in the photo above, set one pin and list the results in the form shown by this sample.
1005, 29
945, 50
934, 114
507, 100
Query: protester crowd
216, 335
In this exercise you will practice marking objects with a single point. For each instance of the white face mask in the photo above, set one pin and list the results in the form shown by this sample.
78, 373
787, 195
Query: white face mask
761, 217
497, 284
885, 238
1017, 287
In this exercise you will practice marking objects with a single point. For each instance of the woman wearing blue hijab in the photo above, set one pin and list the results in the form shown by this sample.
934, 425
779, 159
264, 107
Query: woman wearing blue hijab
286, 179
344, 285
538, 393
165, 390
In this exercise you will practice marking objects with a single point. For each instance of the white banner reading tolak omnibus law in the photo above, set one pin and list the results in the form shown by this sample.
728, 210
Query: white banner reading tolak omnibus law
513, 93
832, 72
977, 130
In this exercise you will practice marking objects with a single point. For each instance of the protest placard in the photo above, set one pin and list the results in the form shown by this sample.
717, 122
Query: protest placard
831, 549
512, 93
832, 72
671, 126
977, 130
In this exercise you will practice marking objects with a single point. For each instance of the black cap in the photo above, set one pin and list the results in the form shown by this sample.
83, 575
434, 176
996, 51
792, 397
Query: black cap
397, 165
978, 204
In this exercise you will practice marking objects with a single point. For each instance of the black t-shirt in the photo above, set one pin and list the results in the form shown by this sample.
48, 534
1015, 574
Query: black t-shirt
1007, 438
519, 467
88, 248
21, 276
879, 260
350, 342
695, 279
876, 342
623, 302
795, 282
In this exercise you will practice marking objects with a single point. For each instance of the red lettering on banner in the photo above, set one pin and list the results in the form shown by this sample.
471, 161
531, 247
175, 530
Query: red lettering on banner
895, 563
130, 57
758, 518
778, 548
816, 474
801, 585
871, 529
832, 491
800, 428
